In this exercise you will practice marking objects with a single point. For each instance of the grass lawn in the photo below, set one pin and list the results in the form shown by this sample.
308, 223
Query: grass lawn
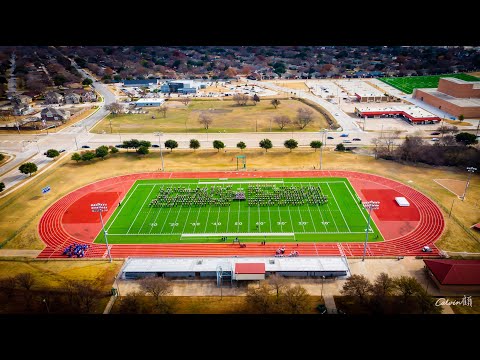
408, 83
137, 221
461, 309
18, 222
226, 116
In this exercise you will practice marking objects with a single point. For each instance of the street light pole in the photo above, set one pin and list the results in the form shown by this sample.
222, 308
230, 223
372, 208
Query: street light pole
159, 134
99, 207
369, 205
323, 280
76, 144
470, 170
45, 301
323, 138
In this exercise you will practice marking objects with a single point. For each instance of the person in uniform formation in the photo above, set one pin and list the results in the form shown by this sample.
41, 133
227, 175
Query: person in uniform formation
268, 195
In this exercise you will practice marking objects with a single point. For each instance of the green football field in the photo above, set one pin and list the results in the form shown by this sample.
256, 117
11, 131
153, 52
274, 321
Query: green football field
408, 83
290, 209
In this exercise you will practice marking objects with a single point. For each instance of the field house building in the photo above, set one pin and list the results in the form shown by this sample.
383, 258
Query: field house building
236, 268
454, 275
149, 102
454, 96
413, 114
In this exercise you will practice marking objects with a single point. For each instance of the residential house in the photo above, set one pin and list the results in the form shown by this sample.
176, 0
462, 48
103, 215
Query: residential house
54, 98
21, 100
72, 98
89, 96
49, 114
21, 109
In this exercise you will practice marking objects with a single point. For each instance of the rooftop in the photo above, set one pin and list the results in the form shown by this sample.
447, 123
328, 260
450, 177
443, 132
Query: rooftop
455, 272
360, 88
411, 110
463, 102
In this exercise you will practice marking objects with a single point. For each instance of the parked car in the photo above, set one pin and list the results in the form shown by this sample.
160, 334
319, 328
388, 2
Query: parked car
356, 139
63, 150
330, 137
435, 139
155, 146
435, 133
119, 146
85, 147
344, 135
346, 141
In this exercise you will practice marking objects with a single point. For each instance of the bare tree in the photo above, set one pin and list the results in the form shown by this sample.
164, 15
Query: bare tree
278, 284
7, 286
411, 148
132, 303
240, 99
295, 300
383, 286
275, 103
444, 129
448, 140
163, 110
282, 121
304, 117
205, 119
25, 280
358, 286
185, 100
158, 287
260, 300
87, 294
115, 108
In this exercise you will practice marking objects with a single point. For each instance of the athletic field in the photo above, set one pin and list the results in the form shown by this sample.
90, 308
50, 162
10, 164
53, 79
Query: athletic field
408, 83
157, 211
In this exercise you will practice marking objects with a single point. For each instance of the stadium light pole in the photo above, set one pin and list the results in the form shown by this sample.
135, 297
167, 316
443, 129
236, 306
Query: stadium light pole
160, 134
369, 205
470, 170
323, 138
101, 207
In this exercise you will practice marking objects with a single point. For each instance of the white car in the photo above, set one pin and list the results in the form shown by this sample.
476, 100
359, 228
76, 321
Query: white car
435, 139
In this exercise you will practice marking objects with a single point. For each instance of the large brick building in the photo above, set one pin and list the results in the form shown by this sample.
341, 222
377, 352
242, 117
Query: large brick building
454, 96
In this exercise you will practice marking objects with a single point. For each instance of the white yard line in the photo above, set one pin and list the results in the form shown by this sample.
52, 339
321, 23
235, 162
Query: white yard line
165, 221
359, 208
206, 221
280, 215
139, 210
330, 210
269, 218
218, 216
341, 212
125, 202
291, 220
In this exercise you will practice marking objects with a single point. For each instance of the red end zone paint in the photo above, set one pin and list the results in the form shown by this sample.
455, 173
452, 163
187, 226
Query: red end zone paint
80, 211
389, 209
403, 237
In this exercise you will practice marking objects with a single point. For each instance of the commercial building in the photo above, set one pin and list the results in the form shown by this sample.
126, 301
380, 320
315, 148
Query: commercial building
454, 275
149, 102
140, 83
363, 91
454, 96
411, 113
179, 86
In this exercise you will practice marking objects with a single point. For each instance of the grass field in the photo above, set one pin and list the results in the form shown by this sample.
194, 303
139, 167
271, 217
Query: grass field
342, 218
226, 116
407, 84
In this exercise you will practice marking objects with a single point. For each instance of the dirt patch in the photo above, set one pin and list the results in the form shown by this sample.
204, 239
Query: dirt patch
456, 187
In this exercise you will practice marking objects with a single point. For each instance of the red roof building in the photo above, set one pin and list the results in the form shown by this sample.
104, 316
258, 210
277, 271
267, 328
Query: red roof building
455, 274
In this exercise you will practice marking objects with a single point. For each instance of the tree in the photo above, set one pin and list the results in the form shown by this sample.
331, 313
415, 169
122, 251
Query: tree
340, 147
291, 144
256, 98
194, 144
411, 148
427, 303
2, 157
143, 150
315, 144
278, 284
28, 168
25, 280
88, 155
205, 119
282, 121
407, 286
87, 82
59, 80
266, 144
275, 103
2, 186
76, 157
447, 140
113, 150
217, 144
87, 294
145, 143
8, 286
241, 145
443, 129
295, 300
171, 144
115, 108
163, 110
304, 117
131, 303
383, 286
358, 286
461, 117
52, 153
466, 138
260, 300
159, 288
240, 99
185, 101
453, 129
101, 151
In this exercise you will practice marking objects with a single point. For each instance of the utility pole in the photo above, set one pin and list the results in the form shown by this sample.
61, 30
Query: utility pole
369, 205
470, 170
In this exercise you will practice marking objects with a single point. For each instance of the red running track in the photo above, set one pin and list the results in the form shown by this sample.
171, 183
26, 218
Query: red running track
58, 234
